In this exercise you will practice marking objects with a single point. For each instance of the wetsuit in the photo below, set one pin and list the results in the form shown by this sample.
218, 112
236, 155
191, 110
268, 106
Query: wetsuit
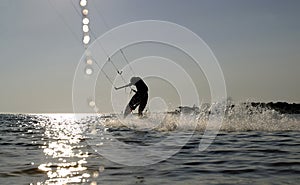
140, 98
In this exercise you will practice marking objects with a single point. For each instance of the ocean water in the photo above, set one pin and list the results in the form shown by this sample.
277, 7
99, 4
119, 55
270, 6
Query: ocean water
257, 148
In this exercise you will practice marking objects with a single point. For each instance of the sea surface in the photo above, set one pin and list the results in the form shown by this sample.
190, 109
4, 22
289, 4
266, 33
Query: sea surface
259, 148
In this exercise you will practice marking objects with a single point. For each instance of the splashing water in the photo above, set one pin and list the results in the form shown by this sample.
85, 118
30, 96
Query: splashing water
237, 117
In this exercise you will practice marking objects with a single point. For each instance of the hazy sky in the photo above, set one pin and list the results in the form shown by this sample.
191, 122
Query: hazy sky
257, 43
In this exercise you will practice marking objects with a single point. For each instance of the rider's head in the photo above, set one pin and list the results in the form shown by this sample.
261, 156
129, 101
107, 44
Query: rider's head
134, 79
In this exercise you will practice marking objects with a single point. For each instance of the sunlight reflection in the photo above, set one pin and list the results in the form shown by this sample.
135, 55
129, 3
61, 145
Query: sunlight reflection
65, 157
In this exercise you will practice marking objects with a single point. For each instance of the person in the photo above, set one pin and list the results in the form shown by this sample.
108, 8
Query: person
139, 99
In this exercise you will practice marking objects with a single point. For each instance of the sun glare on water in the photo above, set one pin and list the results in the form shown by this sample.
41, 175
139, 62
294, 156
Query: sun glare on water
66, 155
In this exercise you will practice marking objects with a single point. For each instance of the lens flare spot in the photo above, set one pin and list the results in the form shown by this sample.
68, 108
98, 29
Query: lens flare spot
83, 3
92, 104
85, 28
85, 12
89, 71
101, 169
89, 61
86, 39
85, 20
95, 174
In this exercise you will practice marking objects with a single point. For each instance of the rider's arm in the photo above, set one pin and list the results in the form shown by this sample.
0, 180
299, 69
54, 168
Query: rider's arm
128, 85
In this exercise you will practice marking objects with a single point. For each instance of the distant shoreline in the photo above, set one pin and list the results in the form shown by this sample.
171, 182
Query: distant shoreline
282, 107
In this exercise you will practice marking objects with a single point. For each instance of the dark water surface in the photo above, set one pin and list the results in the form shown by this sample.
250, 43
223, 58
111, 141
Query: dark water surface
52, 149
